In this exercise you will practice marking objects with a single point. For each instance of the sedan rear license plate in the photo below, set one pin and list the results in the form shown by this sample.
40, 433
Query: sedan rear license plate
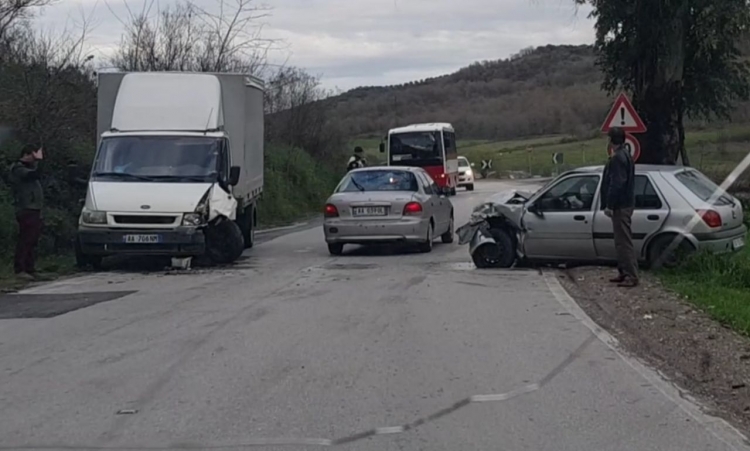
141, 239
368, 211
738, 243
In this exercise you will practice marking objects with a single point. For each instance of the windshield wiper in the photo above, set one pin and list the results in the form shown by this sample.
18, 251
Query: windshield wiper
124, 175
189, 178
359, 187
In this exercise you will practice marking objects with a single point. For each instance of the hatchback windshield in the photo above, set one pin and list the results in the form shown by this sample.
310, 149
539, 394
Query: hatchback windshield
703, 187
158, 157
380, 180
463, 163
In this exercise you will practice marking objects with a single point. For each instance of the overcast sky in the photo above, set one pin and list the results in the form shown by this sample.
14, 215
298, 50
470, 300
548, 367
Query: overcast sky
351, 43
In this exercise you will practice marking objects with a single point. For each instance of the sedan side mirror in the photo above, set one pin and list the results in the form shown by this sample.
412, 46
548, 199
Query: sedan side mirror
382, 147
234, 175
534, 208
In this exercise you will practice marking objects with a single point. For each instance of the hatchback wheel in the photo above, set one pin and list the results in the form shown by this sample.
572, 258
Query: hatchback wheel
664, 252
502, 255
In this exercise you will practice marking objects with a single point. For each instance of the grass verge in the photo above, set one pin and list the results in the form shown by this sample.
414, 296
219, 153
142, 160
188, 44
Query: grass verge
717, 284
50, 267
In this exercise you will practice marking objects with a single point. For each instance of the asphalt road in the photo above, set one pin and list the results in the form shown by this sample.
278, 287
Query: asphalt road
295, 349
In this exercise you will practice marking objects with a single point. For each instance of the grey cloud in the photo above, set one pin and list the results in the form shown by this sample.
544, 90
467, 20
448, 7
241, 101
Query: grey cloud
371, 42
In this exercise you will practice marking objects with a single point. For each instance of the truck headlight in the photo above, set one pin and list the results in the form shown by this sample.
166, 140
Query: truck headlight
94, 217
192, 219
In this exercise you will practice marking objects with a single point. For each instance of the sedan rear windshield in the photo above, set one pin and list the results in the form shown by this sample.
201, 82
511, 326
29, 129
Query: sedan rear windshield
703, 187
379, 180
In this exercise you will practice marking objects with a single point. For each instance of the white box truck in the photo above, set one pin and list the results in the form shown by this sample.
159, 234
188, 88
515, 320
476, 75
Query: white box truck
178, 168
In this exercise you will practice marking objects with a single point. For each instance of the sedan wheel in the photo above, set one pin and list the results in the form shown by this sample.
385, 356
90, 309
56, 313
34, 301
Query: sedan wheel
426, 246
447, 237
336, 249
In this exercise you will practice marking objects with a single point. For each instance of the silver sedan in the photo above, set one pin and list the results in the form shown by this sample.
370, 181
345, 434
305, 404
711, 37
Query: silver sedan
387, 205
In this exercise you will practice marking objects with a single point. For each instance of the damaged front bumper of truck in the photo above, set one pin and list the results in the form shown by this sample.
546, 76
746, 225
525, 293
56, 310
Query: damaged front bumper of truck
181, 241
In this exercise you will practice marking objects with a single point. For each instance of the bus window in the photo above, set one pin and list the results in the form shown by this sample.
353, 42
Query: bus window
416, 149
449, 139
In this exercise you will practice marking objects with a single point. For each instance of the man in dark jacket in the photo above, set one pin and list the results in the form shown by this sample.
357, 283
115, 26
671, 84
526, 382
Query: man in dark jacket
29, 200
618, 198
357, 160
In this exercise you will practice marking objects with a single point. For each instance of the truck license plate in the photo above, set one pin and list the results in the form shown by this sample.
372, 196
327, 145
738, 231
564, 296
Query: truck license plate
369, 211
738, 243
142, 239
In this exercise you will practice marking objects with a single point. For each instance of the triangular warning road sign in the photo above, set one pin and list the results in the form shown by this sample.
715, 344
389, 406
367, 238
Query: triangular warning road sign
623, 115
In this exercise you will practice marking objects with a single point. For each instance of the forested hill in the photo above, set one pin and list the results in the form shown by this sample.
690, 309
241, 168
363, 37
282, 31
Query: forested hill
542, 91
552, 89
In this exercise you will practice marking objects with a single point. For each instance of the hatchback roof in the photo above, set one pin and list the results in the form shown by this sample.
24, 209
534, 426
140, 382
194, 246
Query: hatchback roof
638, 167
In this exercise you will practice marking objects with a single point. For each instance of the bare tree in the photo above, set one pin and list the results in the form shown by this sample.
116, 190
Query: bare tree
186, 37
299, 113
13, 11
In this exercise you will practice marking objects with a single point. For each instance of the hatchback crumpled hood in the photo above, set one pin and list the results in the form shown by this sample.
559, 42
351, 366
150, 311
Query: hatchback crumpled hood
509, 203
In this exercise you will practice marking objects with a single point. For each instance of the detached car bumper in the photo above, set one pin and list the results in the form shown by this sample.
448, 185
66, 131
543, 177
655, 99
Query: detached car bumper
375, 231
177, 242
723, 242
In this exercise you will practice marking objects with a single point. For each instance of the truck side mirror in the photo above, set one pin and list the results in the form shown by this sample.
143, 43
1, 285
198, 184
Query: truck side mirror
234, 175
382, 147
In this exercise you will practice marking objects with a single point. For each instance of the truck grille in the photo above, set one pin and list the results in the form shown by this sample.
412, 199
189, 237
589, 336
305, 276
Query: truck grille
125, 219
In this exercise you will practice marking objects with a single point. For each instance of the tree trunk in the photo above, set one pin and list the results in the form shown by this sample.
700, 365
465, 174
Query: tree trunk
658, 78
661, 143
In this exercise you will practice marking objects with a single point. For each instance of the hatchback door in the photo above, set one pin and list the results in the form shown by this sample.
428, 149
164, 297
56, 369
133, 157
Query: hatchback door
649, 214
562, 227
705, 195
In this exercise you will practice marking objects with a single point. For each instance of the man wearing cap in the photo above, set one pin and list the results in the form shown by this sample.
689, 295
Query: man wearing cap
618, 198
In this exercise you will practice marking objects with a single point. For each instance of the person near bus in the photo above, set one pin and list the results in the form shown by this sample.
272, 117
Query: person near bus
357, 160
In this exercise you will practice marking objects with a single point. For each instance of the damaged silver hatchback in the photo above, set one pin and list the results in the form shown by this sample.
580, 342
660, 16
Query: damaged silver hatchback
678, 210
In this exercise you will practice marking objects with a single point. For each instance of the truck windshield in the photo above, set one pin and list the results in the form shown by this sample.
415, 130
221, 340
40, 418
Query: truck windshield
158, 158
416, 149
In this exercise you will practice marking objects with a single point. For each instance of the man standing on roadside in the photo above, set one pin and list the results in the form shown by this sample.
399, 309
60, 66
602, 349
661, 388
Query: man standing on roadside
357, 160
29, 200
618, 196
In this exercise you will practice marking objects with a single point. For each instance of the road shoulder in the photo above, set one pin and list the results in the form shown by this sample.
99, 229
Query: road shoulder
684, 344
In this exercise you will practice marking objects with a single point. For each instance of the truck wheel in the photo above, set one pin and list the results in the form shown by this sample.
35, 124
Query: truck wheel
85, 261
224, 242
246, 222
503, 255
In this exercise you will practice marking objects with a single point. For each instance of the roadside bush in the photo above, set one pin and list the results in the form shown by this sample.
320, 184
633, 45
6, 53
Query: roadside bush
296, 185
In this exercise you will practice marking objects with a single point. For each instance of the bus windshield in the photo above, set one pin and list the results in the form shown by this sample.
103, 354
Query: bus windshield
416, 149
